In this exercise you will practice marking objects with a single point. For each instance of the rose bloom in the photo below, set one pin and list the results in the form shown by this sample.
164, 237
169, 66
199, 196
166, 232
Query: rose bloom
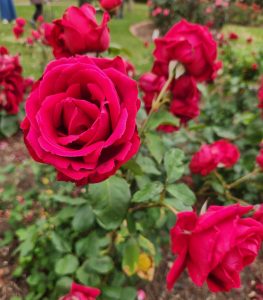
18, 31
30, 41
157, 11
110, 5
130, 69
81, 118
249, 40
78, 32
190, 44
209, 157
166, 12
35, 34
81, 292
233, 36
215, 247
11, 82
258, 215
21, 22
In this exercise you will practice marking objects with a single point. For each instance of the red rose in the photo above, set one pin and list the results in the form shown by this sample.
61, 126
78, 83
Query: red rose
80, 118
215, 247
18, 31
21, 22
209, 157
260, 158
46, 32
190, 44
204, 161
233, 36
227, 152
186, 97
78, 32
81, 292
110, 5
151, 86
11, 83
35, 35
130, 69
3, 50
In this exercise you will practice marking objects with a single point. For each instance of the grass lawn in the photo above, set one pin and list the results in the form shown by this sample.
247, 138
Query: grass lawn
120, 34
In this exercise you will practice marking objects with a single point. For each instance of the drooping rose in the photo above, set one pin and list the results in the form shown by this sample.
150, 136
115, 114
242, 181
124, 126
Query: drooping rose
219, 154
11, 82
18, 31
78, 32
151, 86
80, 118
81, 292
215, 247
110, 5
190, 44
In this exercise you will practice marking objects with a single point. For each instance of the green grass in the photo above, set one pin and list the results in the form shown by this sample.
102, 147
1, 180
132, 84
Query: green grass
31, 58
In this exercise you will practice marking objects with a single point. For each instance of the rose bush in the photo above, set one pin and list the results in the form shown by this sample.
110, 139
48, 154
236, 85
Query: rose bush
215, 246
78, 32
83, 122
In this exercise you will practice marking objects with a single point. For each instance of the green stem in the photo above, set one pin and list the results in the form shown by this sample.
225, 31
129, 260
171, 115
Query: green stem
247, 177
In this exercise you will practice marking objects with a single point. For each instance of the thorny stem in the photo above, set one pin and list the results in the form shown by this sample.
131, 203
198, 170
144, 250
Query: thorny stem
143, 206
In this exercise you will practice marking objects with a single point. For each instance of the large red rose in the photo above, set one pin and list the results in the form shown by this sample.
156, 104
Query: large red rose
78, 32
110, 5
215, 247
80, 118
81, 292
190, 44
11, 82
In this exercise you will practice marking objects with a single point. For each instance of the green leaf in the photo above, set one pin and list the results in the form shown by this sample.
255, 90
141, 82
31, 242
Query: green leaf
100, 265
60, 244
162, 117
8, 125
148, 165
134, 167
110, 200
183, 193
128, 293
131, 254
67, 265
63, 284
86, 277
150, 192
83, 219
173, 164
155, 146
69, 200
147, 245
177, 204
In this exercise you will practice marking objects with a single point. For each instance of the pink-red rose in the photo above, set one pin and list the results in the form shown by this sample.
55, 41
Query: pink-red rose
78, 32
215, 247
20, 22
190, 44
11, 82
219, 154
18, 31
110, 5
81, 118
81, 292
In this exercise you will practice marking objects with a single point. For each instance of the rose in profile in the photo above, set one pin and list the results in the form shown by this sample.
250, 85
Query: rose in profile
190, 44
110, 5
11, 82
80, 118
78, 32
81, 292
215, 247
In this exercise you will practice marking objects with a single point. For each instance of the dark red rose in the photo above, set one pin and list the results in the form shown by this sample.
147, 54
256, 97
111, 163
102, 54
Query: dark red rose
78, 32
81, 292
190, 44
46, 33
110, 5
18, 31
81, 118
3, 50
11, 83
151, 86
21, 22
215, 247
209, 157
233, 36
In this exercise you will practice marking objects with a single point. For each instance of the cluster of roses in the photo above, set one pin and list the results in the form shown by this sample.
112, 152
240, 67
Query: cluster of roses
193, 47
79, 116
12, 83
